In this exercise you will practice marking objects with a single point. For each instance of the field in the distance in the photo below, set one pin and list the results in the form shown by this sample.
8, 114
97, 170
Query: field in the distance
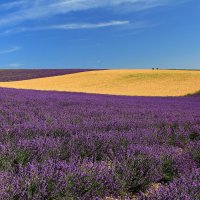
26, 74
118, 82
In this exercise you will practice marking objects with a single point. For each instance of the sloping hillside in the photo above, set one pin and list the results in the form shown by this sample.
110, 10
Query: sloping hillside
119, 82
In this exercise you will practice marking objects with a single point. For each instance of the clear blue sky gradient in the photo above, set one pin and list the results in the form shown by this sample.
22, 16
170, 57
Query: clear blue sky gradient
100, 34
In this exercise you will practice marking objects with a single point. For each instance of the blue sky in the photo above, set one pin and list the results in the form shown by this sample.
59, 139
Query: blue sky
99, 33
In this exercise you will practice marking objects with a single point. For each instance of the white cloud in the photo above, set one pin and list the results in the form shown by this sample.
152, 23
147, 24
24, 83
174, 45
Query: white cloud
16, 65
89, 26
11, 50
10, 5
38, 9
73, 26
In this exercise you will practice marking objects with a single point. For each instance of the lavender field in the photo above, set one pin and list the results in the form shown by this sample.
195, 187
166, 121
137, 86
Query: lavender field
25, 74
79, 146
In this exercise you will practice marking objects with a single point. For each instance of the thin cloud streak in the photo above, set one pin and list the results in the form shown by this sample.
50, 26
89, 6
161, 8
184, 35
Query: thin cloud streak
11, 50
39, 9
16, 65
89, 26
74, 26
10, 5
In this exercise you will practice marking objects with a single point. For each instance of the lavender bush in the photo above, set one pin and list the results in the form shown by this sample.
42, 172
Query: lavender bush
57, 145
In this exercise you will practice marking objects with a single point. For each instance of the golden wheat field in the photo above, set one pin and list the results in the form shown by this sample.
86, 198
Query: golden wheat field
119, 82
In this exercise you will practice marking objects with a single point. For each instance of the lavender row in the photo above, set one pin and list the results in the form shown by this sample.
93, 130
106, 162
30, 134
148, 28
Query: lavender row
25, 74
79, 146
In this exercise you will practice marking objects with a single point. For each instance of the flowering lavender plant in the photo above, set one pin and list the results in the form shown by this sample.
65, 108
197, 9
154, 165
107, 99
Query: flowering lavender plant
57, 145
